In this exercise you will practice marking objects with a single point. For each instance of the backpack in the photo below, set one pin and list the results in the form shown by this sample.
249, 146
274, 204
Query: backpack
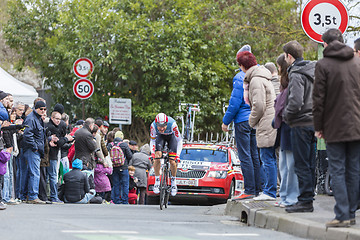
117, 155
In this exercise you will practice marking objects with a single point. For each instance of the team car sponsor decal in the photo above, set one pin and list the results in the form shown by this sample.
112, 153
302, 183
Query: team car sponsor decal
188, 164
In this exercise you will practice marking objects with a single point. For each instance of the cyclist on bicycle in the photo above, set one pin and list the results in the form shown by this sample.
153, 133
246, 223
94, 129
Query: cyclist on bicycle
165, 130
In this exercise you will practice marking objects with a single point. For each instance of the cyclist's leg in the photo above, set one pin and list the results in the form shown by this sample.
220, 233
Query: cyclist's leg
173, 163
159, 146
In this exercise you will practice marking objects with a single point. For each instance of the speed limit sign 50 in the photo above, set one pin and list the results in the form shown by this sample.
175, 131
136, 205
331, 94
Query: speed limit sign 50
83, 88
320, 15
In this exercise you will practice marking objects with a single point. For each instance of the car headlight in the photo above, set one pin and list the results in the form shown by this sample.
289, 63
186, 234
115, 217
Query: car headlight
217, 174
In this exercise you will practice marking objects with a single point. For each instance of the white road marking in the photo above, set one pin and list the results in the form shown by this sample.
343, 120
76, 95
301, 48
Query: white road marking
99, 231
230, 234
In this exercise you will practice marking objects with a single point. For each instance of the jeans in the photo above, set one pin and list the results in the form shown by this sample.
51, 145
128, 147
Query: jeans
88, 196
52, 175
245, 138
268, 158
120, 190
23, 175
303, 146
289, 185
17, 178
33, 161
8, 181
344, 171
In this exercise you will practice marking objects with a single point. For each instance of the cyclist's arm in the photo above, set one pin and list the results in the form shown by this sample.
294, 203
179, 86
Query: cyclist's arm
178, 138
152, 138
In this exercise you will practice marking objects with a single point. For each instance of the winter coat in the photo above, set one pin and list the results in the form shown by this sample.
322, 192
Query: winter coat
141, 162
4, 158
4, 115
261, 97
336, 95
99, 154
284, 130
85, 145
76, 185
34, 134
238, 111
276, 83
102, 182
60, 132
298, 108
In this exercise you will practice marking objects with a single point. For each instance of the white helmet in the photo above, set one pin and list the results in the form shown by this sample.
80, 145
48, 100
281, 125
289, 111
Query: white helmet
161, 120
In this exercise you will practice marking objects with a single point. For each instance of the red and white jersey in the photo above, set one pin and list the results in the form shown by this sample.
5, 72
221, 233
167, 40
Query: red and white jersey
171, 128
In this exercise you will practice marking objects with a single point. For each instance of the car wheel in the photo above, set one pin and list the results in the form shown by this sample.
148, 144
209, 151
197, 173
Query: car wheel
232, 190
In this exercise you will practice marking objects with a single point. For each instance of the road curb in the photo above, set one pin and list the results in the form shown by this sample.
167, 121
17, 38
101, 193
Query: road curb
262, 215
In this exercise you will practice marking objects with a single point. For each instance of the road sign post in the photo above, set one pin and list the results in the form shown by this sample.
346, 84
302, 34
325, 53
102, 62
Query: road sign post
120, 111
320, 15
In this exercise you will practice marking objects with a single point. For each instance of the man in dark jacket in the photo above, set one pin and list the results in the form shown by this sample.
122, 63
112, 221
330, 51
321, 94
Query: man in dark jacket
57, 138
85, 144
298, 115
336, 110
33, 147
76, 185
120, 176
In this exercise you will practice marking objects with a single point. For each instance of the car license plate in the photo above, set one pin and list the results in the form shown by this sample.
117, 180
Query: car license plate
187, 182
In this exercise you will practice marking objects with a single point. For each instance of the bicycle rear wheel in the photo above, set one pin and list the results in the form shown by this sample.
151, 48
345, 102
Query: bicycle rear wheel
163, 188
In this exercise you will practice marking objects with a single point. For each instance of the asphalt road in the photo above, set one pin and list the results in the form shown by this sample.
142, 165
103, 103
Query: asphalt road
126, 222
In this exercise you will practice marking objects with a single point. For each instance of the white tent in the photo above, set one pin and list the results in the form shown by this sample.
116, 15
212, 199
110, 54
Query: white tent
21, 91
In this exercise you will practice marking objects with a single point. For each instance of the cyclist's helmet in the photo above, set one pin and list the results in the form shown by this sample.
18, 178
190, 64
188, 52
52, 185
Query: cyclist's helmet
161, 120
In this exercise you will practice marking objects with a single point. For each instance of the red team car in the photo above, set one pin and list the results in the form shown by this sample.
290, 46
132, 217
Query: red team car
206, 171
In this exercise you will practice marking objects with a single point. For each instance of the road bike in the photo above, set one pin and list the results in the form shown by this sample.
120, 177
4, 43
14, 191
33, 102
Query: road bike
188, 127
164, 182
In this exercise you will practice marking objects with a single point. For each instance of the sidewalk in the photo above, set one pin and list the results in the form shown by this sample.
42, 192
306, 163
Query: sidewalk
306, 225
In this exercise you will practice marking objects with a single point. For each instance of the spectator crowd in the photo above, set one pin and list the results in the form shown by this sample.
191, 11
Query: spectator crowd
308, 104
46, 160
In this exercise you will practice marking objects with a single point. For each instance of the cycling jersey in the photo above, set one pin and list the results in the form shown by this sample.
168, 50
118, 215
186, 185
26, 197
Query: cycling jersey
171, 128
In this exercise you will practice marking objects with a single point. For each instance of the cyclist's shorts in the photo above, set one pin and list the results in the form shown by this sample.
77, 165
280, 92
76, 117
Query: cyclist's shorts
169, 139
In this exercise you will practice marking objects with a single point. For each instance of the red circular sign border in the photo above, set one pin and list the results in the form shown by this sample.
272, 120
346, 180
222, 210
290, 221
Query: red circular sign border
91, 88
86, 60
307, 9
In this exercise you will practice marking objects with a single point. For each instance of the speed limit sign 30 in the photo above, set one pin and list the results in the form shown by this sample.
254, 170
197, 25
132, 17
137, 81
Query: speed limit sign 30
320, 15
83, 88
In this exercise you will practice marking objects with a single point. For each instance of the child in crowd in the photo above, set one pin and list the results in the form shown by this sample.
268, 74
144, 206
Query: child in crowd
132, 185
102, 183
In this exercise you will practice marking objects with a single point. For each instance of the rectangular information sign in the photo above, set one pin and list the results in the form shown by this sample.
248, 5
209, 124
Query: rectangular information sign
120, 111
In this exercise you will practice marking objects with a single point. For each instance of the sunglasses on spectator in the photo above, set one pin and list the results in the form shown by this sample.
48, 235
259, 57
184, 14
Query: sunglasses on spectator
42, 109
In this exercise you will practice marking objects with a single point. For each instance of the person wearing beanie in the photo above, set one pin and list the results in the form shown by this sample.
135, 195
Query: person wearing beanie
76, 187
141, 162
120, 174
239, 112
4, 103
59, 108
33, 149
133, 146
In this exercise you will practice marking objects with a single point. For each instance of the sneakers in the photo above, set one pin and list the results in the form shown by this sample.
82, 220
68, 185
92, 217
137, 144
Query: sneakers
57, 201
173, 190
12, 202
300, 207
264, 197
338, 223
243, 197
156, 189
352, 221
2, 206
36, 201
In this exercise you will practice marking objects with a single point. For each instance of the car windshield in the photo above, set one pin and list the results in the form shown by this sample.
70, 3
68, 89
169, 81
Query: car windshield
204, 155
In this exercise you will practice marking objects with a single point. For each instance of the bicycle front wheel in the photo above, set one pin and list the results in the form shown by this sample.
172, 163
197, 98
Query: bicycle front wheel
163, 188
